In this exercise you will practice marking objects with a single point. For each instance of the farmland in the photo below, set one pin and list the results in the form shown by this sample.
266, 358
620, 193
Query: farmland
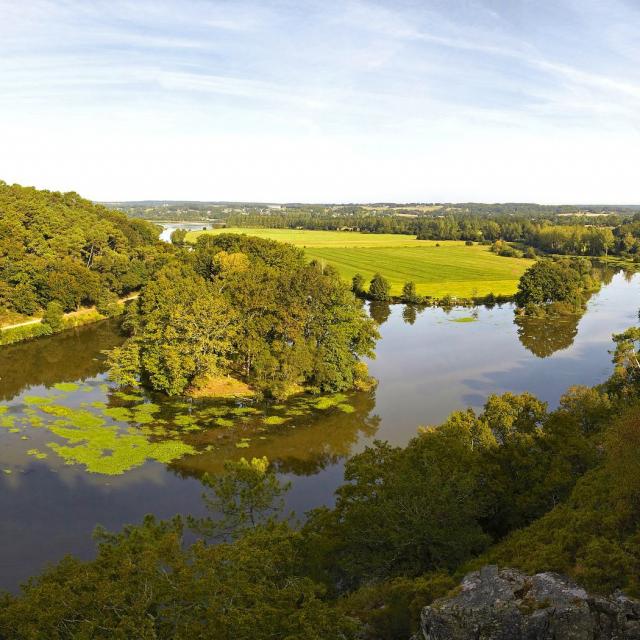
438, 269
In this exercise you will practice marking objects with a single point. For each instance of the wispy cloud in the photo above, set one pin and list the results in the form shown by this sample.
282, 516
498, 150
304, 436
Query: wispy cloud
376, 81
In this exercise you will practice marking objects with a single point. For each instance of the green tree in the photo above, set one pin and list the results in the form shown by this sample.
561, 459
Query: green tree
54, 316
185, 329
246, 495
357, 284
409, 293
178, 237
548, 282
379, 288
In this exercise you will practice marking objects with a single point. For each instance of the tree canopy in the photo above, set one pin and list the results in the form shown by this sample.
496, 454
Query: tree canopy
248, 308
60, 247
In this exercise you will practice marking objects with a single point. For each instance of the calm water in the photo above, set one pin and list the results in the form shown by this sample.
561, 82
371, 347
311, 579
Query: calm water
56, 406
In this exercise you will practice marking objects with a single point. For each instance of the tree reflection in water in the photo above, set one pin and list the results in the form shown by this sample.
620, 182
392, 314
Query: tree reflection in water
379, 311
545, 336
409, 313
303, 446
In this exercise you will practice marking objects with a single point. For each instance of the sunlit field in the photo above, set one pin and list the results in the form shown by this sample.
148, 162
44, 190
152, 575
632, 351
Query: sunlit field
438, 268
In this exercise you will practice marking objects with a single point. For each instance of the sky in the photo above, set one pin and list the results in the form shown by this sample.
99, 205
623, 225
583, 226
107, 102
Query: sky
328, 101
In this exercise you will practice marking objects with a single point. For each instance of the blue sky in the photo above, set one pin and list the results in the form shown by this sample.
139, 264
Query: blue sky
439, 100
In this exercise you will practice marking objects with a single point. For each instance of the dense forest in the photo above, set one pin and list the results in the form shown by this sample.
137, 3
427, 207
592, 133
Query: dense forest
514, 484
59, 247
251, 309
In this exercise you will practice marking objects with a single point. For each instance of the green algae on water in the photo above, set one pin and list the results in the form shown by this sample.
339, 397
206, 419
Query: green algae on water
36, 453
345, 408
119, 413
274, 420
37, 400
327, 402
66, 387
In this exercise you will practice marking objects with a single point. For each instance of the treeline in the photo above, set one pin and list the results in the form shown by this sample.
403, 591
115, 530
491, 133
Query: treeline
59, 247
248, 308
515, 484
573, 235
171, 211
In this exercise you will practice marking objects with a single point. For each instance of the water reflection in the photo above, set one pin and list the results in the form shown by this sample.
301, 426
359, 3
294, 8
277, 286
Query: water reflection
304, 447
410, 313
379, 311
70, 356
545, 336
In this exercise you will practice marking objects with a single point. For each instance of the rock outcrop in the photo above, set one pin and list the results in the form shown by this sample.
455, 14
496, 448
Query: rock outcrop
506, 604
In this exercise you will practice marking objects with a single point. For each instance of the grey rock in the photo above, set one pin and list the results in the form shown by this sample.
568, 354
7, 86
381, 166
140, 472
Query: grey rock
506, 604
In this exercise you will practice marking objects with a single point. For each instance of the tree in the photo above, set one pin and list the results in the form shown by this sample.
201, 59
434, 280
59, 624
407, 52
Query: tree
185, 329
54, 316
357, 284
379, 288
409, 293
178, 237
246, 495
547, 281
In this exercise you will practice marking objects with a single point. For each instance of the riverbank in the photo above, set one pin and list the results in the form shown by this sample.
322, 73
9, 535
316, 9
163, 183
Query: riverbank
36, 328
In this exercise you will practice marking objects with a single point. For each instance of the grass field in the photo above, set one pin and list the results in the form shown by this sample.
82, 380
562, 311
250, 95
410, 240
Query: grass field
449, 269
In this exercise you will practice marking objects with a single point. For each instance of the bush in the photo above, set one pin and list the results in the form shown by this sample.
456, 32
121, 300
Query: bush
54, 316
18, 334
379, 289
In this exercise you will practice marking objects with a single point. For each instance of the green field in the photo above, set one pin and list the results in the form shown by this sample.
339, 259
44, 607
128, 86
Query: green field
449, 269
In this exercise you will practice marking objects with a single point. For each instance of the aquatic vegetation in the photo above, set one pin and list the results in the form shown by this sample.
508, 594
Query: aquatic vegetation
274, 420
224, 422
103, 449
7, 471
243, 444
3, 409
127, 397
66, 387
119, 413
37, 400
326, 402
465, 319
239, 411
56, 410
7, 421
345, 408
147, 407
36, 453
184, 420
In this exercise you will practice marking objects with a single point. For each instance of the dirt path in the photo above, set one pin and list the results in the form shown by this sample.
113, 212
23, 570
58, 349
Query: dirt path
20, 324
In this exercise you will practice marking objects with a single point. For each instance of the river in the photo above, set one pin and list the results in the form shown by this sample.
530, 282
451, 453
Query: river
72, 448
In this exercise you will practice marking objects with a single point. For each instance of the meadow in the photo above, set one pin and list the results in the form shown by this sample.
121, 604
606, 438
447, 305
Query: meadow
444, 268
